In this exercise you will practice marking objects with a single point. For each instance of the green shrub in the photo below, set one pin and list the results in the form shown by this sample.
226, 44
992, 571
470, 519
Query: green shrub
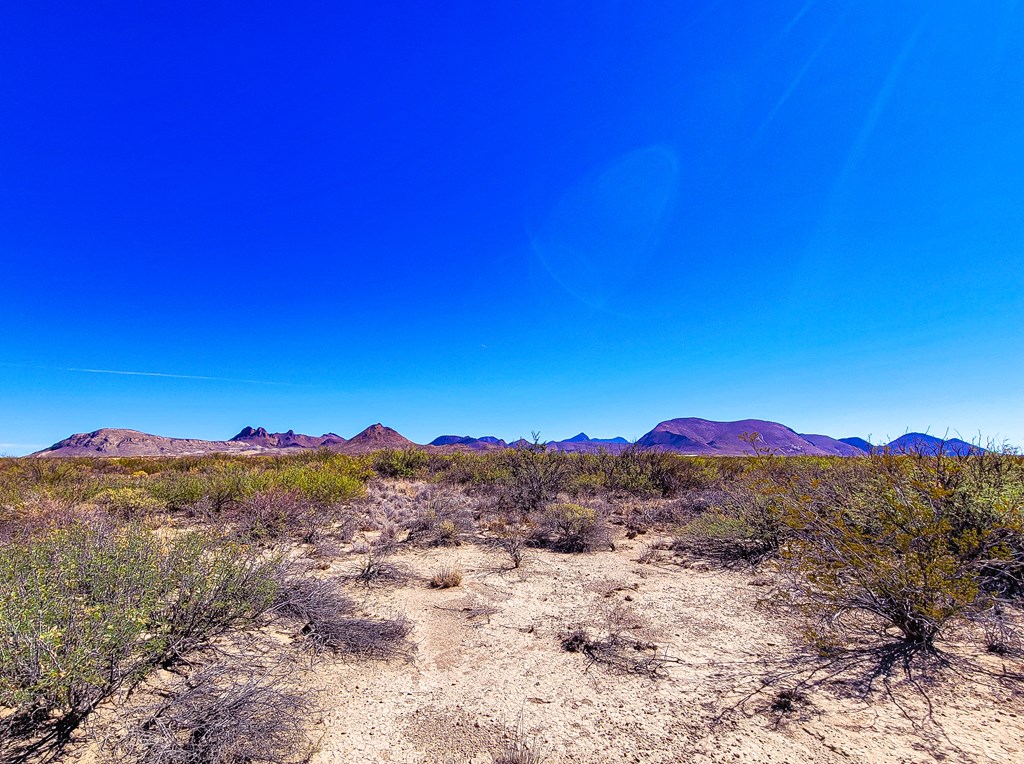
641, 472
745, 525
400, 463
323, 482
179, 490
87, 609
910, 542
572, 528
534, 477
128, 502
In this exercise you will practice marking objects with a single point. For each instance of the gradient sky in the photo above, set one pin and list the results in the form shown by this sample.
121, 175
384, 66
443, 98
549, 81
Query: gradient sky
483, 218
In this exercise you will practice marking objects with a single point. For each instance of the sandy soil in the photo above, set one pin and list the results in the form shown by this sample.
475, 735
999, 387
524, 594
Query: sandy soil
470, 677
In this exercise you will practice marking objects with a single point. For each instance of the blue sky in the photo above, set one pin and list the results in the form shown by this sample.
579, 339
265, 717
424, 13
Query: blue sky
498, 218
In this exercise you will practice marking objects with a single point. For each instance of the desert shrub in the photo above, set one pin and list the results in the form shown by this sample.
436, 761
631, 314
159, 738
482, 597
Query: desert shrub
619, 650
909, 542
327, 480
210, 588
87, 610
219, 484
221, 714
642, 472
567, 527
643, 515
278, 514
128, 502
400, 463
746, 527
11, 486
440, 517
446, 578
472, 470
534, 477
375, 565
512, 537
179, 491
328, 620
377, 638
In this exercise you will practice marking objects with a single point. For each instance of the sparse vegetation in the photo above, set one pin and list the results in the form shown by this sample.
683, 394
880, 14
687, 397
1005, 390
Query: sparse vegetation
114, 569
520, 747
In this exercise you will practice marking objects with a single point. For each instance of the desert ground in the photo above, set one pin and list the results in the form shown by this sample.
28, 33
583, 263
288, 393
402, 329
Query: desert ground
485, 664
469, 677
627, 646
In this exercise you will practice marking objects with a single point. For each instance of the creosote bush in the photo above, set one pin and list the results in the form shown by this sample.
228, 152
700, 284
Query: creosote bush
279, 514
909, 543
128, 503
534, 476
400, 463
88, 609
567, 527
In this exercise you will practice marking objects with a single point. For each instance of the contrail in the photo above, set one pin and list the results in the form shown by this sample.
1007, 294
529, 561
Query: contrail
164, 375
795, 82
799, 15
878, 105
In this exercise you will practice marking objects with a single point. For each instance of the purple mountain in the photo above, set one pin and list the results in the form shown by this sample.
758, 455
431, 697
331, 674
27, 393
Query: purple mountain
930, 445
704, 437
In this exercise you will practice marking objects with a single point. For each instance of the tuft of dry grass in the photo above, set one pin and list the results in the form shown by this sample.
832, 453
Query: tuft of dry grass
520, 747
446, 578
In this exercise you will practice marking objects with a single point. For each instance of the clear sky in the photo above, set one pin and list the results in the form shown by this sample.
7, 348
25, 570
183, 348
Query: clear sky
492, 218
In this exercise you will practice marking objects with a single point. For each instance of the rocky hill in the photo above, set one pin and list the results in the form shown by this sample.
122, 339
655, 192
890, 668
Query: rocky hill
291, 439
116, 442
374, 438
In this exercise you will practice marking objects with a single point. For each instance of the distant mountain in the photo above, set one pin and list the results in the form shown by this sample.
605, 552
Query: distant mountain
116, 442
691, 435
858, 443
467, 443
374, 438
705, 437
251, 440
584, 438
832, 446
290, 439
922, 443
585, 444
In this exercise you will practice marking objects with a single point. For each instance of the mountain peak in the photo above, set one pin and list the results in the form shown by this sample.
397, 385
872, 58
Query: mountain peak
251, 433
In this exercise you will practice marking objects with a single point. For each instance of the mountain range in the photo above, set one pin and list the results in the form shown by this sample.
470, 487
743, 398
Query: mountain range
688, 435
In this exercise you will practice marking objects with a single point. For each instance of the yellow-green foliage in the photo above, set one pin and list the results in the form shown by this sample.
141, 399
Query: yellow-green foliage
128, 502
400, 463
86, 609
332, 481
914, 541
571, 527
